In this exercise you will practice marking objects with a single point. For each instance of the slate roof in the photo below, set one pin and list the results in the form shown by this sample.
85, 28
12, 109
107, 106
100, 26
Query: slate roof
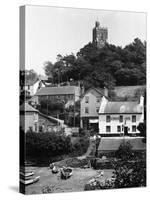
96, 92
27, 108
56, 90
123, 107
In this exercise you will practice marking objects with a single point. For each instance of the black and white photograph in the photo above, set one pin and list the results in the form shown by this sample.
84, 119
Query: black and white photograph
82, 99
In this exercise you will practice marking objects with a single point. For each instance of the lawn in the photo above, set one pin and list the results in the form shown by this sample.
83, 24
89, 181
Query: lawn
75, 183
113, 143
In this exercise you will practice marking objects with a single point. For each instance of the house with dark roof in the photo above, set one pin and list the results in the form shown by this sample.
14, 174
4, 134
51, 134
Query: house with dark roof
120, 118
90, 104
31, 119
59, 93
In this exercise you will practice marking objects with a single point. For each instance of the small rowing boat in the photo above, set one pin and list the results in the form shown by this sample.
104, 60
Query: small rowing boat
65, 172
30, 181
27, 174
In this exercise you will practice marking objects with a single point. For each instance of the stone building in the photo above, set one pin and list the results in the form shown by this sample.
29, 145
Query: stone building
100, 35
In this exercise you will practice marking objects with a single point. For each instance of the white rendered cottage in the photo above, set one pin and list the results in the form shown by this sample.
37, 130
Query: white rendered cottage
120, 118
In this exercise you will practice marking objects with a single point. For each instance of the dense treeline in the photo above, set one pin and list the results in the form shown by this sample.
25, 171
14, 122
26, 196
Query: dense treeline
112, 65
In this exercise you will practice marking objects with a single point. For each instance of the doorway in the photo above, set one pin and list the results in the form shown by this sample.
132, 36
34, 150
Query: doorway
125, 130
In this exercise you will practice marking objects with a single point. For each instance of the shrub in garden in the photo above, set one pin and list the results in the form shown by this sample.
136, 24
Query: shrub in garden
130, 175
81, 146
125, 175
42, 145
47, 189
125, 151
46, 146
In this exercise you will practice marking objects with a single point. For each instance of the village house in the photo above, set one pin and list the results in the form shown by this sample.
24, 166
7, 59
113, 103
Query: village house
31, 119
120, 118
90, 103
30, 86
60, 93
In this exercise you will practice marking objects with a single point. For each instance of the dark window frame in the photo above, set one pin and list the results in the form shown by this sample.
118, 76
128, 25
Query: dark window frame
86, 99
134, 127
108, 118
97, 109
118, 129
86, 110
133, 118
98, 99
121, 118
108, 129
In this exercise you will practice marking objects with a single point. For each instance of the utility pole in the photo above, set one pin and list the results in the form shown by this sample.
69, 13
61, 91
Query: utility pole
74, 110
47, 105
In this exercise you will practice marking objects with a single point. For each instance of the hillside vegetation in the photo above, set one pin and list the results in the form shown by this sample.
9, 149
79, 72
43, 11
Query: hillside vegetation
106, 67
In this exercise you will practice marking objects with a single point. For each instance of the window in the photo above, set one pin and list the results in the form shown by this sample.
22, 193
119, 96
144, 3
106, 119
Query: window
121, 118
107, 118
108, 128
118, 128
133, 128
40, 128
98, 100
133, 118
97, 109
86, 99
86, 110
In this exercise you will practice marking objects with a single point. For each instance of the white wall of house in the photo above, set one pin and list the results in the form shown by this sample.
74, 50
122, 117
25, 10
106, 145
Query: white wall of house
32, 89
92, 105
77, 93
35, 87
114, 122
28, 120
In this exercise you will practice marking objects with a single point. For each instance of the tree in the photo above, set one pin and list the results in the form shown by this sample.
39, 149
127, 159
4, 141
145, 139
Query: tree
30, 75
48, 68
109, 66
125, 151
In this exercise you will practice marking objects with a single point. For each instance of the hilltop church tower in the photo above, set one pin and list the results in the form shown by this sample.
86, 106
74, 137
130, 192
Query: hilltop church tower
100, 35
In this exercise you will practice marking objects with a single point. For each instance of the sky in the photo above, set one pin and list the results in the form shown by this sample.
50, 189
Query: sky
50, 31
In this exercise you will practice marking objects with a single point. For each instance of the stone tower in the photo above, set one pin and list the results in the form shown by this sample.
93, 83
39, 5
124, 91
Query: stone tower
100, 35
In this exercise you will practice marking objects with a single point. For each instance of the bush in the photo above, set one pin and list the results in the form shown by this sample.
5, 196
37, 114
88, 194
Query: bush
125, 175
125, 151
47, 189
142, 128
80, 147
130, 174
47, 145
